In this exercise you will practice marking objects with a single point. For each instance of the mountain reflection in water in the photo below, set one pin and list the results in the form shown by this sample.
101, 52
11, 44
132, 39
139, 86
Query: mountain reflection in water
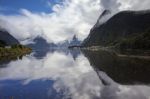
68, 74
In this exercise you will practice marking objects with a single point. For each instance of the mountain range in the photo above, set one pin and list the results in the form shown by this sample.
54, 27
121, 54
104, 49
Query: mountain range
125, 30
39, 42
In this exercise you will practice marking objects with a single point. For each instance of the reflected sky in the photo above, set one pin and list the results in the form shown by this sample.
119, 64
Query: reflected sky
61, 76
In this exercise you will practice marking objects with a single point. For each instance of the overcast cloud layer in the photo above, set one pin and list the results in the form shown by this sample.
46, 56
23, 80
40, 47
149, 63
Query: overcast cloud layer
68, 18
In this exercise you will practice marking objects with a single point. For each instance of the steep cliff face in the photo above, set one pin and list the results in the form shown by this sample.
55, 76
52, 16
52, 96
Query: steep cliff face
6, 38
123, 25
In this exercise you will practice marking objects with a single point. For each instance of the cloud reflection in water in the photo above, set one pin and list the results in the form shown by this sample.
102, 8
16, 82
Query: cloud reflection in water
78, 76
75, 78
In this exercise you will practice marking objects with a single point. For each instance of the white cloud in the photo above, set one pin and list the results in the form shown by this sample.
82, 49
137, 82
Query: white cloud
71, 17
134, 4
68, 18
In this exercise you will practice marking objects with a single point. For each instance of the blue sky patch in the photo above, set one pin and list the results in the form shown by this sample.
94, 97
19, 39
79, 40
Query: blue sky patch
14, 6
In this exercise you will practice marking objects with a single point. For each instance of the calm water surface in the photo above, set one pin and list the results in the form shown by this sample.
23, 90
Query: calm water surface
74, 74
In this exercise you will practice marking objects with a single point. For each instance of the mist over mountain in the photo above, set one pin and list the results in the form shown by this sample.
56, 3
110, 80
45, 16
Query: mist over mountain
104, 16
39, 43
124, 27
73, 42
72, 17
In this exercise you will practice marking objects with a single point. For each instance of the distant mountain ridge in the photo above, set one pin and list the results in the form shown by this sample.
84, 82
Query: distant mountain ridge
74, 42
123, 25
40, 43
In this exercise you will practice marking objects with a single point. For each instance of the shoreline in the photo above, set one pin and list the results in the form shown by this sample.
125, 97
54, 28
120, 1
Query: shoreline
132, 53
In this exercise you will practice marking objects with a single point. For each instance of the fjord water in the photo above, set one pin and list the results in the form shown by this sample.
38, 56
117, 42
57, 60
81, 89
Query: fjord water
75, 74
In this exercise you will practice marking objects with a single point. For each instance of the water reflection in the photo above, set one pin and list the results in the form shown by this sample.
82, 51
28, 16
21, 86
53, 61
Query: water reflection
62, 74
113, 90
66, 77
124, 70
42, 53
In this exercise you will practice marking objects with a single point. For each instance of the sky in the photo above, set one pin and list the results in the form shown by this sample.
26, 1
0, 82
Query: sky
58, 20
12, 6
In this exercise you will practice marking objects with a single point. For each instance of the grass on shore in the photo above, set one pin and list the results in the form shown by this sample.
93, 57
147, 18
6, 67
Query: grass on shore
14, 51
